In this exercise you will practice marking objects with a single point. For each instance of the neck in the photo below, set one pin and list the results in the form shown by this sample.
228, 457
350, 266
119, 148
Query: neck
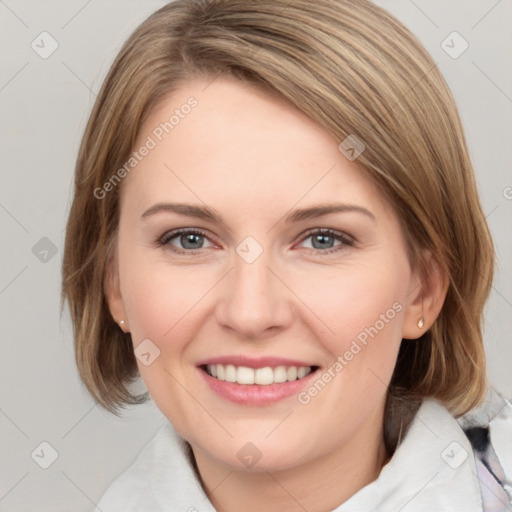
320, 484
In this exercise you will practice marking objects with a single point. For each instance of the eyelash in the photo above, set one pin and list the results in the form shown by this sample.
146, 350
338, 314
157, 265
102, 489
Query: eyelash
346, 240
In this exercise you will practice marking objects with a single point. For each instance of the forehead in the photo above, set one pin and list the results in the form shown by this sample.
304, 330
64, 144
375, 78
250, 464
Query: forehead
227, 143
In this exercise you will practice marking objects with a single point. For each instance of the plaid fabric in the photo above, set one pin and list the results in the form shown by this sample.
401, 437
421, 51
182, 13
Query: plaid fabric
495, 490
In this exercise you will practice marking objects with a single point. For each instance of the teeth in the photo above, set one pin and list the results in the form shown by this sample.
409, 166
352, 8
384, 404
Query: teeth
264, 376
230, 373
302, 372
291, 373
245, 375
261, 376
280, 374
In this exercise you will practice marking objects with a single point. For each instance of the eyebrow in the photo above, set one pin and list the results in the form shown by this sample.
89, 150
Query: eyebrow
203, 212
200, 212
320, 210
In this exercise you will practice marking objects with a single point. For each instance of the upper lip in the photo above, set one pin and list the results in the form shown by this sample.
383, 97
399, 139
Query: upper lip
253, 362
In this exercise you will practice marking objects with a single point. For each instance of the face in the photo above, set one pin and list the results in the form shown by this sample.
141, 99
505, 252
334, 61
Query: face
263, 277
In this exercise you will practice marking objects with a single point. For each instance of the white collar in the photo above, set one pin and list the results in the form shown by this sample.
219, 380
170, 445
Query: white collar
433, 469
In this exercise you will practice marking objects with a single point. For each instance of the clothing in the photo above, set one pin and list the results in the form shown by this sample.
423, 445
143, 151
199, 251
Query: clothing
434, 469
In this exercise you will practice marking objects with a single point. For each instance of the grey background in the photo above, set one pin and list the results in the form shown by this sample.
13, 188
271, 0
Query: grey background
44, 104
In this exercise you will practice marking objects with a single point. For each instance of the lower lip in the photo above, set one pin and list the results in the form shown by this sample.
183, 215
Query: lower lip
254, 394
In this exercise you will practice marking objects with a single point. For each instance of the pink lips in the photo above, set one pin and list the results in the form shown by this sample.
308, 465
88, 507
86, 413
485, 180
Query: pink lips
253, 394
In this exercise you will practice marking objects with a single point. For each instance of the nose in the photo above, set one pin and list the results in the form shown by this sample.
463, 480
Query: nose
254, 303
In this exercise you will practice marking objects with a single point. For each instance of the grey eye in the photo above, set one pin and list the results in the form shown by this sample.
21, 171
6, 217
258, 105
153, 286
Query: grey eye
185, 240
191, 241
322, 241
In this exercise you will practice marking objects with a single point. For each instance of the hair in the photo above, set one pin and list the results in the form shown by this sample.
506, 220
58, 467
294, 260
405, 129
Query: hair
355, 70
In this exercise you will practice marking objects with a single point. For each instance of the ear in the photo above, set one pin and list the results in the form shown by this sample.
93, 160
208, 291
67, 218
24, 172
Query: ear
429, 285
112, 291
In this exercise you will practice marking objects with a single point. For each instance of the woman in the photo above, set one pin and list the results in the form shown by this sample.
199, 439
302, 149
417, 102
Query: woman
276, 225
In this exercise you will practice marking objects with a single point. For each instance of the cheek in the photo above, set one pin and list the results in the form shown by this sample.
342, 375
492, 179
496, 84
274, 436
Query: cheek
158, 296
364, 307
360, 306
162, 303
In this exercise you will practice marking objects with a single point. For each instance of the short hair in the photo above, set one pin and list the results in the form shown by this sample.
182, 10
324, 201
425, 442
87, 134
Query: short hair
355, 70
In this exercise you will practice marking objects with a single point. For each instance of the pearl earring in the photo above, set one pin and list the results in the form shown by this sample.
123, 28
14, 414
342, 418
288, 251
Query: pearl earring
421, 322
121, 324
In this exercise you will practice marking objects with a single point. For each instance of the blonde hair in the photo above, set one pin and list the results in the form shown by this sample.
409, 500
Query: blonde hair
354, 69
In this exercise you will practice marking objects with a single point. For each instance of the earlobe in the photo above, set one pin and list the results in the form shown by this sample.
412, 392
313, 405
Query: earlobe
426, 298
113, 295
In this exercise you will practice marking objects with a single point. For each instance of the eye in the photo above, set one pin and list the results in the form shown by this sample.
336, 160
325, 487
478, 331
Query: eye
185, 240
326, 241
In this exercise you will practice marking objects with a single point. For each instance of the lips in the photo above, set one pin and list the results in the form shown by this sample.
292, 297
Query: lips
251, 381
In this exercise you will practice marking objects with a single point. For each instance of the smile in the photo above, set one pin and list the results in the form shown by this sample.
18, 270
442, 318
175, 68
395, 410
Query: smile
260, 376
255, 381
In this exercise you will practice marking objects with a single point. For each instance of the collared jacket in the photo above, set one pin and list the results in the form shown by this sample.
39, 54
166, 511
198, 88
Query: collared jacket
442, 464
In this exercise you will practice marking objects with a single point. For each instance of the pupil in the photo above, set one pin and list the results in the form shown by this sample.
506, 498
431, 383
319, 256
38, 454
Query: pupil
189, 240
323, 241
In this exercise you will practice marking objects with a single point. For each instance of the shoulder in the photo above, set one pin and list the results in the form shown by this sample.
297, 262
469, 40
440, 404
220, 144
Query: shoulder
132, 490
161, 478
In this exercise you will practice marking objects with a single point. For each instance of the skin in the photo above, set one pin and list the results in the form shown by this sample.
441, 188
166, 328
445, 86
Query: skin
252, 158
